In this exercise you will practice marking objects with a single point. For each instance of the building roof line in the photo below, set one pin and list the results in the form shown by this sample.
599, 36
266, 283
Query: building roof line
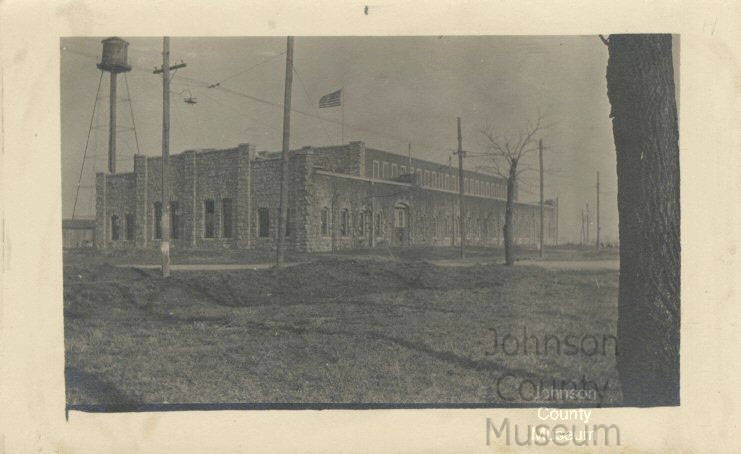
410, 185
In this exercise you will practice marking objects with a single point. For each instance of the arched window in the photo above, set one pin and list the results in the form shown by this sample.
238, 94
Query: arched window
157, 220
344, 222
400, 216
130, 227
115, 228
325, 221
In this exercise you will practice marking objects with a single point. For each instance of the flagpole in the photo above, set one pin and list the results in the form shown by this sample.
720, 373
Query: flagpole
342, 114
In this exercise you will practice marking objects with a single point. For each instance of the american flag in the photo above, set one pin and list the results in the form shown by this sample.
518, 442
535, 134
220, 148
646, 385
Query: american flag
333, 99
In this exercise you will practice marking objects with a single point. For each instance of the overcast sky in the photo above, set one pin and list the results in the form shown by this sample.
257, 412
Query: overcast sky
398, 90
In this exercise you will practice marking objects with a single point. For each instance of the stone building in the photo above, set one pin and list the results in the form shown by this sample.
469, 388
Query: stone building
340, 197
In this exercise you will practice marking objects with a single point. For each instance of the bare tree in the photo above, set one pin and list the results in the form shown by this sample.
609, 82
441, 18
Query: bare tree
507, 156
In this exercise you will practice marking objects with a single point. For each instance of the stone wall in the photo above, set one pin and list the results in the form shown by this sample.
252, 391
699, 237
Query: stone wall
115, 196
430, 174
432, 215
369, 207
349, 159
197, 176
266, 195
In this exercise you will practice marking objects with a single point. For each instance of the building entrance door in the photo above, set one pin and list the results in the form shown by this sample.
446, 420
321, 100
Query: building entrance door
401, 225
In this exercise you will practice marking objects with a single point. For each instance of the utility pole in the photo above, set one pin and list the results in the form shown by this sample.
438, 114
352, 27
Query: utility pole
555, 236
461, 210
165, 218
410, 157
598, 226
586, 224
540, 158
283, 212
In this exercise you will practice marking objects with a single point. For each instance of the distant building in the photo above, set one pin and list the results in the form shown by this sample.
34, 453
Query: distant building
78, 233
340, 197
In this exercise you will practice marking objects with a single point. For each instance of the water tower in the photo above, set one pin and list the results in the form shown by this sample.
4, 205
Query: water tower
114, 60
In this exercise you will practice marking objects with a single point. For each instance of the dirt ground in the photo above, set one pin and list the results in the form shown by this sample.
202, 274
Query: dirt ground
341, 328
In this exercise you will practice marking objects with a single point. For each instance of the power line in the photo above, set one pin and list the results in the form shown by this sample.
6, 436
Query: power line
308, 101
84, 153
131, 110
205, 84
216, 84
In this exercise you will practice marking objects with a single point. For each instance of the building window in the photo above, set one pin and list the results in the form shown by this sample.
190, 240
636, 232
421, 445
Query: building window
427, 177
288, 223
361, 224
400, 217
263, 222
174, 220
394, 171
385, 173
379, 224
157, 220
115, 228
325, 221
130, 226
403, 170
376, 169
344, 220
209, 217
227, 216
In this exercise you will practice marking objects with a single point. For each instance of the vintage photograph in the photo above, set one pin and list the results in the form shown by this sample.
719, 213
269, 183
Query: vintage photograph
370, 222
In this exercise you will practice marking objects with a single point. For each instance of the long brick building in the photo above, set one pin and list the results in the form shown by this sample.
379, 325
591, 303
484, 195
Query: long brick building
340, 197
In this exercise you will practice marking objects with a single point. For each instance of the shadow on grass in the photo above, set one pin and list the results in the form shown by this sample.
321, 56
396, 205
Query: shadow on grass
94, 389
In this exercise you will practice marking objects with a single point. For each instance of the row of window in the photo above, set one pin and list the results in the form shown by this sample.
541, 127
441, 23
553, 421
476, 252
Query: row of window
361, 221
439, 180
210, 225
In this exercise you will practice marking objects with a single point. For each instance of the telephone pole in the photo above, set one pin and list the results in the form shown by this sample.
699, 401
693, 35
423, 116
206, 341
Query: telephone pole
586, 224
283, 212
461, 210
555, 236
165, 218
540, 158
598, 226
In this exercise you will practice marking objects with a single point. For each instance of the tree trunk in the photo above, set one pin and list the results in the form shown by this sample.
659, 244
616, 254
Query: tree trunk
509, 253
640, 86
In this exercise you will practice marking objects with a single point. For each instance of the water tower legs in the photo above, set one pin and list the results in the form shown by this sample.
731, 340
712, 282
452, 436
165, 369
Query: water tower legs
112, 127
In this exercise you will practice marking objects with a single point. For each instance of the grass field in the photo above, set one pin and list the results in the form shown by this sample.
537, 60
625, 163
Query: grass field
390, 328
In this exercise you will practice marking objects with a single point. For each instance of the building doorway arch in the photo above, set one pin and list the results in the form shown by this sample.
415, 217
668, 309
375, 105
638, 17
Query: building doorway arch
402, 225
